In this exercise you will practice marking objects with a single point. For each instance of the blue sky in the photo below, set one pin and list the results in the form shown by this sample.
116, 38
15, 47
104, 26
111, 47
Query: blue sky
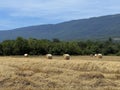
20, 13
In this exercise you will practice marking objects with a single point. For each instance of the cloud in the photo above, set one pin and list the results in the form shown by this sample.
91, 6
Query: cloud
43, 8
32, 8
54, 11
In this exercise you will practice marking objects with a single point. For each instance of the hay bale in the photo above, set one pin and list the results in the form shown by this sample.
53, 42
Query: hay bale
25, 55
91, 55
49, 56
96, 55
100, 56
66, 56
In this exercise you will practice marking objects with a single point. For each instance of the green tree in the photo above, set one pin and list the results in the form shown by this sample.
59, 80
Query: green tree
1, 49
7, 47
21, 46
56, 40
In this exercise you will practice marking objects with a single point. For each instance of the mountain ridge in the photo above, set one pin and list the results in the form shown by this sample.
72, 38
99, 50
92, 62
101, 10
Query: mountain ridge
99, 28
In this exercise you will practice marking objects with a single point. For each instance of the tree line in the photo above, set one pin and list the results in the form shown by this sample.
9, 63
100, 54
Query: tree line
33, 46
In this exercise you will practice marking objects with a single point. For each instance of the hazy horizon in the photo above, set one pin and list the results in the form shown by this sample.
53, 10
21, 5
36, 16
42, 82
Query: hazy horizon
15, 13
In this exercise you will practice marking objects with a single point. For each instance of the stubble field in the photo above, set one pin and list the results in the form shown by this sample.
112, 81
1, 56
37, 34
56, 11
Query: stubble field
79, 73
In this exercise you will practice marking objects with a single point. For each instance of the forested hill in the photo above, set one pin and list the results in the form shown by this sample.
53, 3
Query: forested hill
92, 28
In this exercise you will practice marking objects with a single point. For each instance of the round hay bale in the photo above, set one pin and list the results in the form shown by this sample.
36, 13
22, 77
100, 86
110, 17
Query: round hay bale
49, 56
100, 56
66, 56
96, 55
25, 55
91, 55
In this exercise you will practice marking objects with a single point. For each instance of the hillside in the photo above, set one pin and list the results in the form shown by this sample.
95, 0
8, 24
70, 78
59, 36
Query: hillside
92, 28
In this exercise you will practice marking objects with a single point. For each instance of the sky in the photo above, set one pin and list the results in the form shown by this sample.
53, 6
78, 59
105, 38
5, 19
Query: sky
22, 13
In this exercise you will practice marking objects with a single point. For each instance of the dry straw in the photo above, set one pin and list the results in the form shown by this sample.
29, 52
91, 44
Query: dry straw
25, 55
66, 56
49, 56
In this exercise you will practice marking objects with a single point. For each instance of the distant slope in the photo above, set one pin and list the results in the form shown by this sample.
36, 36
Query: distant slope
93, 28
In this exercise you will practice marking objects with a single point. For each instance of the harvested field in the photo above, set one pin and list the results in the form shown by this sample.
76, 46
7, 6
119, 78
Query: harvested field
79, 73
